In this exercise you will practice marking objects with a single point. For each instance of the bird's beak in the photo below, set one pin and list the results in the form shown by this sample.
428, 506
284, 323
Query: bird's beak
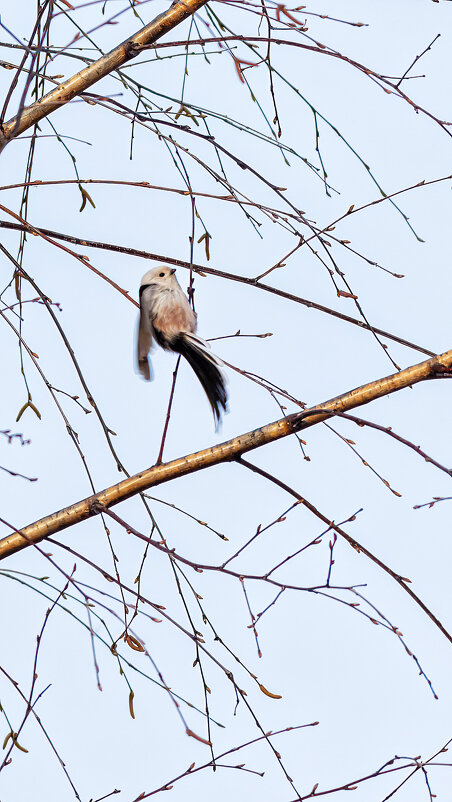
172, 272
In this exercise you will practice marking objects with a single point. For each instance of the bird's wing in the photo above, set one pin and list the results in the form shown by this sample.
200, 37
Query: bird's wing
145, 330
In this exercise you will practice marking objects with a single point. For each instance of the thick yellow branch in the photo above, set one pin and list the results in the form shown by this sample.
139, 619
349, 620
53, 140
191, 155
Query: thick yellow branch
223, 452
178, 11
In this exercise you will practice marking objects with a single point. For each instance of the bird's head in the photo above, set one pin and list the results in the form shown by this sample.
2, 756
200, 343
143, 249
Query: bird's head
161, 276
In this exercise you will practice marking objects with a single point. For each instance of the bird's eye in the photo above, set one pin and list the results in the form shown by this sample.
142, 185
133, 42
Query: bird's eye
161, 275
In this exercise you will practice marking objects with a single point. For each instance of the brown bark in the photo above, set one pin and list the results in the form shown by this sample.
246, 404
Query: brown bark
224, 452
81, 81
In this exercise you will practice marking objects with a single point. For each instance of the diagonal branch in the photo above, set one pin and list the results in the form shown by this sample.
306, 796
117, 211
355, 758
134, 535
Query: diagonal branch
401, 580
66, 91
223, 452
212, 271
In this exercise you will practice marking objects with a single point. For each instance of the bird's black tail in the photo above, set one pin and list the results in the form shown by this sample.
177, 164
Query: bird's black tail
206, 366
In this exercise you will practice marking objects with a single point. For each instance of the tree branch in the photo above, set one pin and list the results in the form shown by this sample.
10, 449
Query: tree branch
223, 452
66, 91
212, 271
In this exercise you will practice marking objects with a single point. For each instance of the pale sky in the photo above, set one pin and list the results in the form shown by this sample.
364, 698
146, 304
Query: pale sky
329, 663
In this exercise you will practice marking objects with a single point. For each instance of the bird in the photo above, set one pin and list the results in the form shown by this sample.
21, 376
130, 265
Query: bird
167, 317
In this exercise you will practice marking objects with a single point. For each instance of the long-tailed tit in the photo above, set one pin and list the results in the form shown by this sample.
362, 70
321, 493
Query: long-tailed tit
166, 316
